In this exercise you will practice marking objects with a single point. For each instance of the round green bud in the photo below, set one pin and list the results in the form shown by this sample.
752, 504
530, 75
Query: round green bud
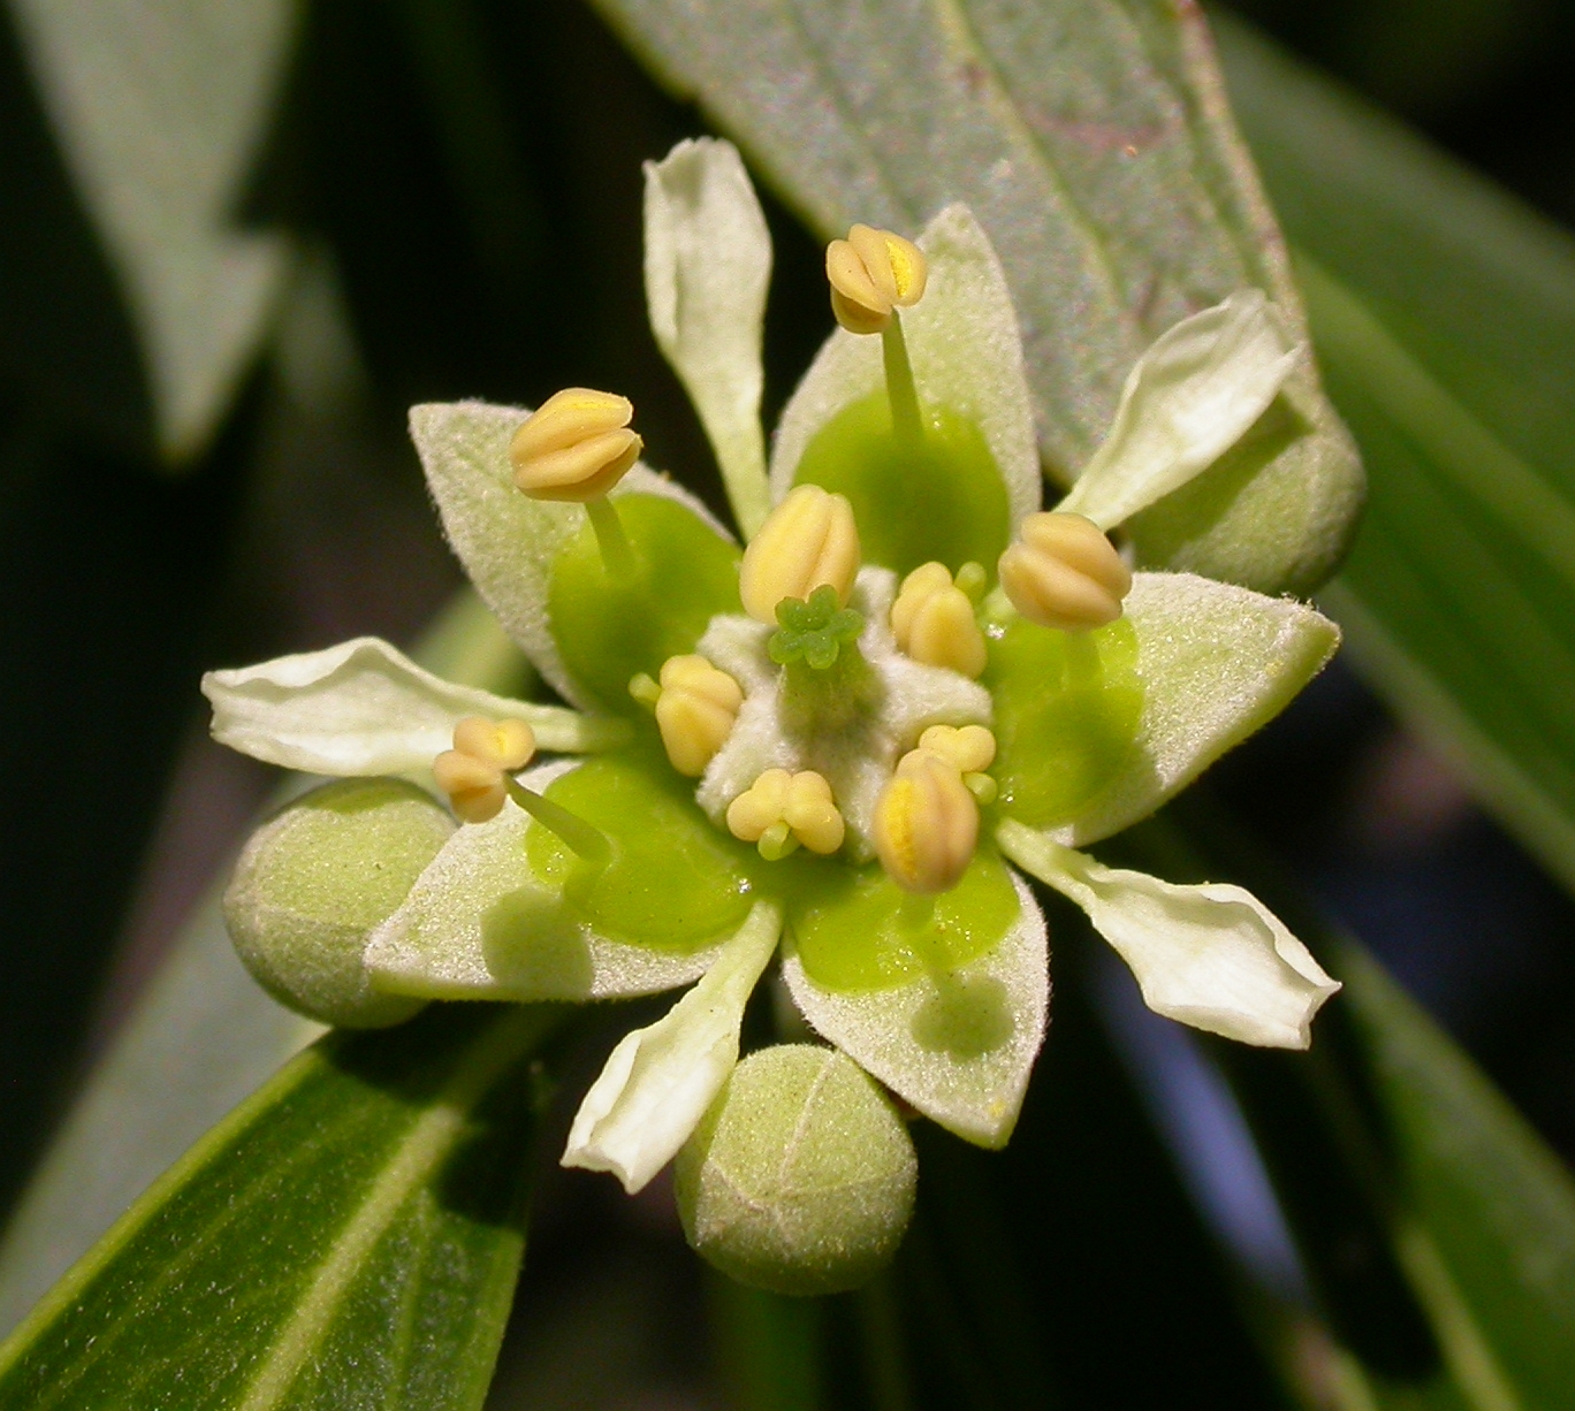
800, 1178
316, 879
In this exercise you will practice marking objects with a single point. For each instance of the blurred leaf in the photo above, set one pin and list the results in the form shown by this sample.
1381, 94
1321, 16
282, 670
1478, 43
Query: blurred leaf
1486, 1221
202, 1038
1387, 1129
158, 107
1444, 314
349, 1235
1093, 144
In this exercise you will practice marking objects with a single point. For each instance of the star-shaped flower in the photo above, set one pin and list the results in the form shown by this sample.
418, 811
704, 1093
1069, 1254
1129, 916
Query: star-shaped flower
921, 688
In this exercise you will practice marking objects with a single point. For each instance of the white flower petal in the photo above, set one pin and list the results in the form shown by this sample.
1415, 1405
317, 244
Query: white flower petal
958, 1045
365, 708
1212, 956
479, 924
659, 1081
967, 356
506, 540
1216, 663
707, 266
1190, 398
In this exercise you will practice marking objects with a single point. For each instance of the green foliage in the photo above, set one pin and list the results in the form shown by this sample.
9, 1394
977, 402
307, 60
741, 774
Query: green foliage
1018, 111
352, 1232
1444, 314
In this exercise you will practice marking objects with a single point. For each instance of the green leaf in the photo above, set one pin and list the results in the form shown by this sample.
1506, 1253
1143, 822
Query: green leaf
351, 1233
159, 109
1437, 1227
1486, 1225
147, 1100
1444, 315
1092, 143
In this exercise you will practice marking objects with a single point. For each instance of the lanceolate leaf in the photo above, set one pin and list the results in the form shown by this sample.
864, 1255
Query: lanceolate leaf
1444, 315
1092, 143
349, 1236
160, 108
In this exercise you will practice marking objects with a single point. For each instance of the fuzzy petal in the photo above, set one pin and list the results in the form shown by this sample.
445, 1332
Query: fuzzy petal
707, 266
480, 923
365, 708
1212, 956
958, 1044
1190, 398
967, 356
1213, 664
508, 542
659, 1081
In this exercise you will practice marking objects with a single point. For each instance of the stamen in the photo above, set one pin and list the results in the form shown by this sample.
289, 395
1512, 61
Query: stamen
643, 687
695, 710
933, 621
870, 273
926, 824
779, 806
970, 749
808, 541
581, 838
577, 446
474, 774
1064, 573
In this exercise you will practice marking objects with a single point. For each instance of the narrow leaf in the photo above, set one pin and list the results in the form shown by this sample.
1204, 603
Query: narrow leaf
351, 1233
1444, 314
160, 108
1093, 145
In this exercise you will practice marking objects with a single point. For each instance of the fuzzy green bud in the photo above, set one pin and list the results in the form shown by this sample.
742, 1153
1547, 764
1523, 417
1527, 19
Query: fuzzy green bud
800, 1178
316, 879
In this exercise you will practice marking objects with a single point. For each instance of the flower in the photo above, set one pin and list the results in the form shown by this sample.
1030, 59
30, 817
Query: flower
852, 755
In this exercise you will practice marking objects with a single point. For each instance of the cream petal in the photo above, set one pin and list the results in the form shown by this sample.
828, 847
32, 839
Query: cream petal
659, 1081
1188, 400
707, 267
363, 707
1212, 955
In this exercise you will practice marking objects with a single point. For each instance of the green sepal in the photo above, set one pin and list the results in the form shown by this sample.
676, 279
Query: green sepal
958, 1038
941, 498
1068, 707
608, 626
1206, 665
851, 927
675, 882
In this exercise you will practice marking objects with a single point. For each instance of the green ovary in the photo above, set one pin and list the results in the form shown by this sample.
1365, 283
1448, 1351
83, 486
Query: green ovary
940, 499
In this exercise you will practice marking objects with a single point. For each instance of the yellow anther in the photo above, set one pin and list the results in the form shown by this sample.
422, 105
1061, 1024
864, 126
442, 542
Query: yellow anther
474, 773
808, 540
576, 446
933, 621
871, 272
926, 824
1064, 573
695, 711
970, 749
802, 801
